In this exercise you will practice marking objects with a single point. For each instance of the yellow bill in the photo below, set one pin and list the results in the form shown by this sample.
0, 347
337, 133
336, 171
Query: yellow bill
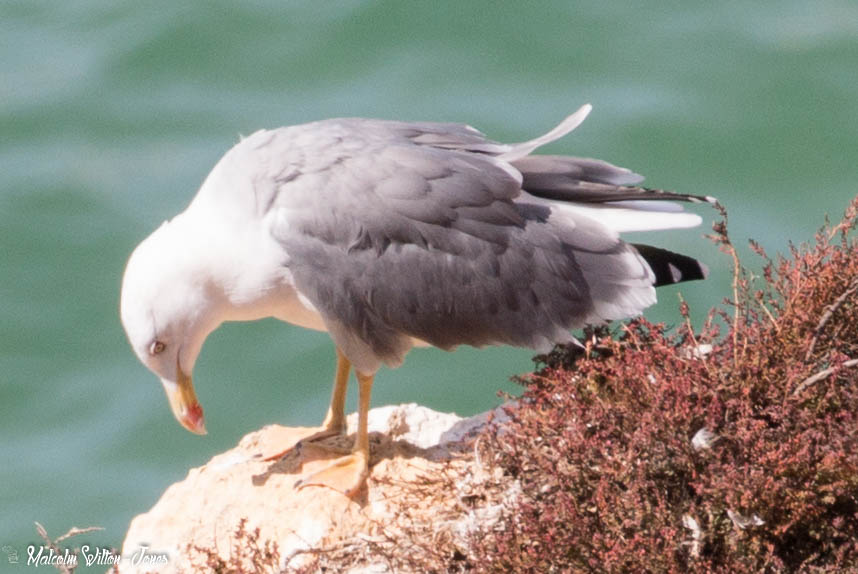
183, 401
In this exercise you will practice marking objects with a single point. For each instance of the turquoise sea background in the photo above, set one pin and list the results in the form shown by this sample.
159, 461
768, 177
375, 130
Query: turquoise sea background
112, 113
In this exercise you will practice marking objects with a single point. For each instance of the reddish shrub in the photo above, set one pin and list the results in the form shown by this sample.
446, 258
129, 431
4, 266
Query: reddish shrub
675, 452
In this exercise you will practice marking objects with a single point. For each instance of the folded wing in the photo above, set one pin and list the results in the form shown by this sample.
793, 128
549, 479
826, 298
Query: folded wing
433, 232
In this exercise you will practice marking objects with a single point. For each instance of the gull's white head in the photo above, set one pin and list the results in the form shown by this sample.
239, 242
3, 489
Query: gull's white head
168, 308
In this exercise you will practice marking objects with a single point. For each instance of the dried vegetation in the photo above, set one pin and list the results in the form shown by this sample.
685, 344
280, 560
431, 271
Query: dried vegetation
731, 449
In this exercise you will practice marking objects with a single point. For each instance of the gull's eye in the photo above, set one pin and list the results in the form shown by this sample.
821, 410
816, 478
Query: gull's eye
156, 347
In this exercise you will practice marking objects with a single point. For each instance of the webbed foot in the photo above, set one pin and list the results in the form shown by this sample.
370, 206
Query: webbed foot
346, 474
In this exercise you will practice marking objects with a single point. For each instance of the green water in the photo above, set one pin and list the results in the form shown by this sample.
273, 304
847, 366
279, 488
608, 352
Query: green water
111, 113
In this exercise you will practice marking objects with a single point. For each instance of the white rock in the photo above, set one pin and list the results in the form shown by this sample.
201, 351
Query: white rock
205, 508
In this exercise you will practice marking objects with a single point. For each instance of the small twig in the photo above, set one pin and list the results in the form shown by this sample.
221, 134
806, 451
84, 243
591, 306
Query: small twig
43, 533
54, 544
829, 312
815, 378
316, 551
625, 327
75, 531
62, 567
721, 237
771, 317
843, 226
685, 315
683, 310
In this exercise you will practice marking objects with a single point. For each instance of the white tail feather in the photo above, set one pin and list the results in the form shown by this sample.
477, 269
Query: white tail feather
623, 219
520, 150
621, 216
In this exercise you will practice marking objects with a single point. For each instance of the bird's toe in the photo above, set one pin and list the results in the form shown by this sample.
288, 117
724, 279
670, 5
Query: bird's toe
346, 474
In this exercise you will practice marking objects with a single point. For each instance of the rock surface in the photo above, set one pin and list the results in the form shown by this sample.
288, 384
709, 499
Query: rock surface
422, 467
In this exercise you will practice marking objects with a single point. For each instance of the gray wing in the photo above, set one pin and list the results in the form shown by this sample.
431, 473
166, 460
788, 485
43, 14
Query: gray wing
404, 231
585, 180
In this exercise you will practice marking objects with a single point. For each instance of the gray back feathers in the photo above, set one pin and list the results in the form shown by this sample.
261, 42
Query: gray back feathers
401, 231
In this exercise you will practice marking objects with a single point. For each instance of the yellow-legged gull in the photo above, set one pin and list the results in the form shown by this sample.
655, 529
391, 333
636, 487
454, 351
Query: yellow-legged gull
392, 234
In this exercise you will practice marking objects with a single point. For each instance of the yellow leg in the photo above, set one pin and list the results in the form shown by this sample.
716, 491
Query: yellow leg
348, 474
335, 421
336, 417
362, 438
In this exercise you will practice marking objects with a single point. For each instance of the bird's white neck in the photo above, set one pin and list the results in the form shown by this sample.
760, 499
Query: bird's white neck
244, 266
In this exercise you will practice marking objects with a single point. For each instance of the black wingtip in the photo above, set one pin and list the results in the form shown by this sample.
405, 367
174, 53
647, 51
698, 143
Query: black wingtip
669, 267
